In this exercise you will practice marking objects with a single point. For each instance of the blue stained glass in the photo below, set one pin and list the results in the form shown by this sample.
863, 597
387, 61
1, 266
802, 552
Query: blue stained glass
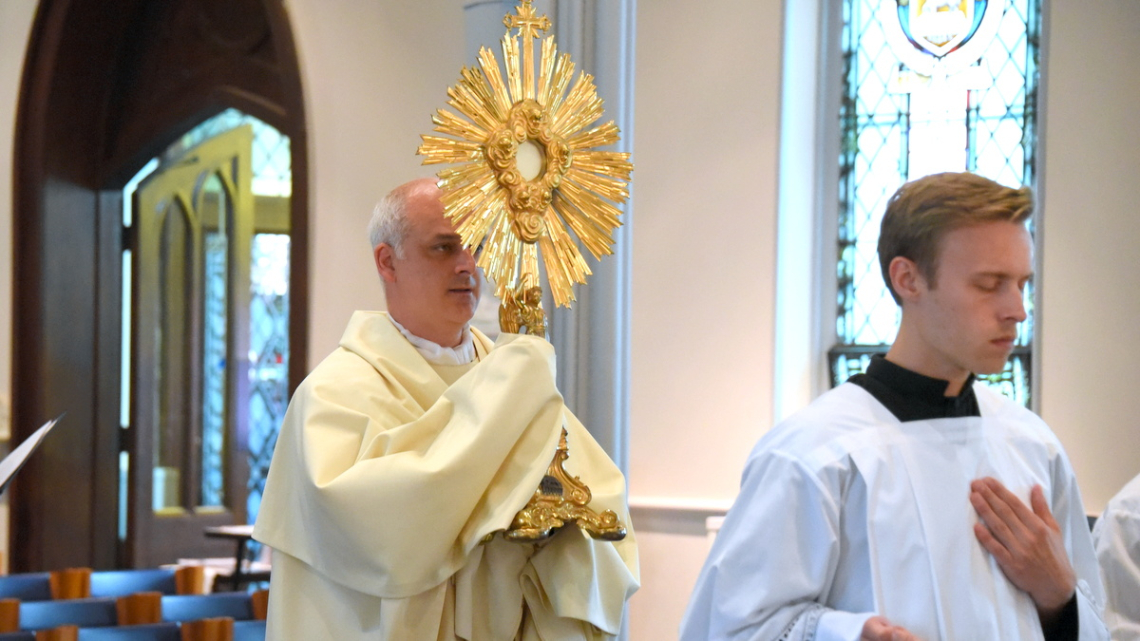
271, 163
269, 357
214, 369
898, 125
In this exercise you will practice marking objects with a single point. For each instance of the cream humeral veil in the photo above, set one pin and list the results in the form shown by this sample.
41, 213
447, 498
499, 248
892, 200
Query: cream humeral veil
385, 481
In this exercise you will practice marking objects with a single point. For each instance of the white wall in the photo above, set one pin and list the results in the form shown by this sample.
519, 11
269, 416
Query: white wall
704, 251
373, 74
707, 98
1090, 317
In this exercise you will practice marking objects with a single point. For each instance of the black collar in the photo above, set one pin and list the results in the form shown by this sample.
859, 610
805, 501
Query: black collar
910, 396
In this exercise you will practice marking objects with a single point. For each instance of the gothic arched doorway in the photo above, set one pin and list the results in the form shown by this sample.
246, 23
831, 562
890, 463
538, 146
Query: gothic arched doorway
107, 86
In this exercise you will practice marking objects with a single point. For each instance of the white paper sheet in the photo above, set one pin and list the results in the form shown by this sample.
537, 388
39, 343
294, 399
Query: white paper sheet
14, 461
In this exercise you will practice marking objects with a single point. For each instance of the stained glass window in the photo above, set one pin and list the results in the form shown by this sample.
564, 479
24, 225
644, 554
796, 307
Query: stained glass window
268, 358
269, 312
928, 86
271, 162
214, 319
271, 184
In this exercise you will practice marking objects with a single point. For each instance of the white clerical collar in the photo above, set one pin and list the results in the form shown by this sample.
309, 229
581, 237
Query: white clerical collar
437, 354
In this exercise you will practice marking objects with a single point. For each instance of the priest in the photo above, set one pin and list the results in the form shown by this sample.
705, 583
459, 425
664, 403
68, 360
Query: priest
913, 502
1117, 540
407, 449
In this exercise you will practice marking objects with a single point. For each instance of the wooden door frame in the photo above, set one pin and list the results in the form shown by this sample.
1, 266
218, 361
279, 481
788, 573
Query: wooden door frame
84, 126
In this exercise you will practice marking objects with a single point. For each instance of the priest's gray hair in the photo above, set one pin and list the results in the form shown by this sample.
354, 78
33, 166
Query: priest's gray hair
389, 222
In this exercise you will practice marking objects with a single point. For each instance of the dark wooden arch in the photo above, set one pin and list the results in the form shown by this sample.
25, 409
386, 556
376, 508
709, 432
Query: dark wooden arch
107, 85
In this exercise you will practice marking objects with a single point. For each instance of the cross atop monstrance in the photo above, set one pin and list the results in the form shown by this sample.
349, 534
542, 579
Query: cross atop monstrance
529, 176
526, 21
529, 24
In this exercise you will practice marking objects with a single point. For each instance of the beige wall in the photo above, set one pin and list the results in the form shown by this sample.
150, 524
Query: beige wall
373, 74
1090, 341
704, 230
15, 24
704, 242
706, 146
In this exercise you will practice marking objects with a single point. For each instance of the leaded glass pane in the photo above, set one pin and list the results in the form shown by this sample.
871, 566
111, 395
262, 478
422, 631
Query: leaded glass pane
216, 213
271, 164
1013, 381
271, 161
269, 356
171, 416
900, 122
214, 368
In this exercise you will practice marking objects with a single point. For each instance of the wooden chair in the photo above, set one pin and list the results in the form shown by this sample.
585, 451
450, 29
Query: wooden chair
190, 579
155, 632
249, 630
117, 583
31, 586
217, 629
182, 608
139, 609
71, 583
260, 602
61, 633
9, 615
134, 609
86, 613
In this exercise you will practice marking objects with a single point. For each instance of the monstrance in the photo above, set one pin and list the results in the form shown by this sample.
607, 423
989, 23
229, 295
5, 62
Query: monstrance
530, 178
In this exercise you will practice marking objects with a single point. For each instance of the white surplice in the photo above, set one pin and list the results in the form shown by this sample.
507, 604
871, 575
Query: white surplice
1117, 538
845, 512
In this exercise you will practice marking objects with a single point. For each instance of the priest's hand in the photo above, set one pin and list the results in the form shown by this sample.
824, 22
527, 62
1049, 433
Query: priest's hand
1026, 543
879, 629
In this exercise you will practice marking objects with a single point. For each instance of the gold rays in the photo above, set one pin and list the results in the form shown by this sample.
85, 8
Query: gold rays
513, 206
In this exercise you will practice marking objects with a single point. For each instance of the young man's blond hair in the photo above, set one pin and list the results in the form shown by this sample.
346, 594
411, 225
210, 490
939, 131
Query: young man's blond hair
923, 211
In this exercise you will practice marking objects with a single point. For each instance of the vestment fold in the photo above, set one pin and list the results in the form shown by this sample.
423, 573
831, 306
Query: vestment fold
846, 509
385, 481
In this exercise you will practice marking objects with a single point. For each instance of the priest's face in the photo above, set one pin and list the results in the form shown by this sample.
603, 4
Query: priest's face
432, 289
966, 319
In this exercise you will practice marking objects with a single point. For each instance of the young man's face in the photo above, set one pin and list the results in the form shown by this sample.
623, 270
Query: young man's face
433, 289
967, 320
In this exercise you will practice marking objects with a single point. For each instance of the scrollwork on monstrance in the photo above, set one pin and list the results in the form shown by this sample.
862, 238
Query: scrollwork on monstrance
529, 179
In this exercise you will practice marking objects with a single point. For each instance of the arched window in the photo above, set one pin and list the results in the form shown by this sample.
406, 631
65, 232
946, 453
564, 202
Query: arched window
266, 321
928, 86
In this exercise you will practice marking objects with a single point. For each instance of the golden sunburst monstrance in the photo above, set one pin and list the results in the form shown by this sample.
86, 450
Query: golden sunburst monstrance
529, 173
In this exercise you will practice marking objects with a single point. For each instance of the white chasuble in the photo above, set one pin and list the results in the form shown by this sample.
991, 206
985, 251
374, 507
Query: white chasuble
386, 479
845, 513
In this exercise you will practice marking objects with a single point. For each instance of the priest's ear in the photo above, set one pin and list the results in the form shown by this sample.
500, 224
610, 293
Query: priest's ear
385, 257
907, 279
